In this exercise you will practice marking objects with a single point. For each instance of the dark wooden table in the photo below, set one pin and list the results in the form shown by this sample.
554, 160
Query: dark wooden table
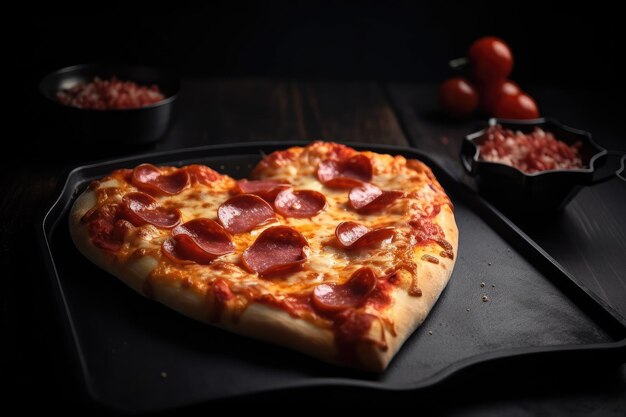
588, 238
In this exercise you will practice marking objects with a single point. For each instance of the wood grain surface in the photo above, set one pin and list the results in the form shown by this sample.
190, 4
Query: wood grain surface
261, 110
589, 239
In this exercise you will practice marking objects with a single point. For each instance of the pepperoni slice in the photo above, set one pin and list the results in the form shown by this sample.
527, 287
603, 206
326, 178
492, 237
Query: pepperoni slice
266, 189
183, 250
279, 249
202, 174
338, 297
198, 240
348, 173
353, 235
140, 209
244, 212
149, 178
300, 203
368, 198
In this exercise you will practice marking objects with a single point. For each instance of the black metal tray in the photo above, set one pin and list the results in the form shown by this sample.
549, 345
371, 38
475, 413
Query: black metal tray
134, 355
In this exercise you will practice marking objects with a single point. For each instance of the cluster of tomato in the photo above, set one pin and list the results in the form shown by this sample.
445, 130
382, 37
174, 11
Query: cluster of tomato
488, 88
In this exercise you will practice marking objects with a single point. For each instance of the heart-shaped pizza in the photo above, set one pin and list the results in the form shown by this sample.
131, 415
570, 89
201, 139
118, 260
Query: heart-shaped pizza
333, 252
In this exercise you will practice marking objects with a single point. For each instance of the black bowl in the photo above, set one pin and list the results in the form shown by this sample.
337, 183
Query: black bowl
132, 126
539, 192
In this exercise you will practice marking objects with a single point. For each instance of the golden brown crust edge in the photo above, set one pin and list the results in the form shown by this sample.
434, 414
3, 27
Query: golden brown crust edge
259, 321
407, 312
276, 326
411, 311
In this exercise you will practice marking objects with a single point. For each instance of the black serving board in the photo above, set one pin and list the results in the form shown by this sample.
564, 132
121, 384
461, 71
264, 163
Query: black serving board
135, 355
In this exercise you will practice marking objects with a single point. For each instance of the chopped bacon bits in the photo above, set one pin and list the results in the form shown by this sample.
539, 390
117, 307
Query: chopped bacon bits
109, 94
533, 152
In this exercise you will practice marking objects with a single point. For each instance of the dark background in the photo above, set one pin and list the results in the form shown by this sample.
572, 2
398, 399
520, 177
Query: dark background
577, 47
574, 48
359, 40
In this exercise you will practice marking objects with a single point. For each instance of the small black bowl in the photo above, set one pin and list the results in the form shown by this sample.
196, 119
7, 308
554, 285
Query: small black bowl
131, 126
539, 192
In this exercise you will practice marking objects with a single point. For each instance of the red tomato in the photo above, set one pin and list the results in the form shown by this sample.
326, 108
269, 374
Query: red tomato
519, 106
490, 94
458, 97
491, 60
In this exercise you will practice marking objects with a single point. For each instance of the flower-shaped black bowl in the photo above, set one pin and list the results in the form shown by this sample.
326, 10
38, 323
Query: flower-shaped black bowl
120, 126
539, 192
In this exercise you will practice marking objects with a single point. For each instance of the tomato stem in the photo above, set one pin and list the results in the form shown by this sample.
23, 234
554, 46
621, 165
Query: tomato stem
459, 64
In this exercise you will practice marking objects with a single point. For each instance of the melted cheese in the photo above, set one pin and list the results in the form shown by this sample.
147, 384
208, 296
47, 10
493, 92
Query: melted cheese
326, 262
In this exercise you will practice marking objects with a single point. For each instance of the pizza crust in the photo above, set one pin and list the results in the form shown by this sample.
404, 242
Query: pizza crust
408, 312
274, 325
133, 274
259, 321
